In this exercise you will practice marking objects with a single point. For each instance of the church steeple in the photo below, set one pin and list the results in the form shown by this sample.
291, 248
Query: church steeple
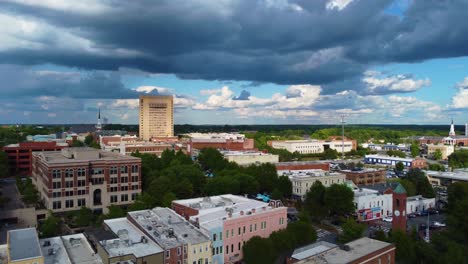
452, 129
99, 125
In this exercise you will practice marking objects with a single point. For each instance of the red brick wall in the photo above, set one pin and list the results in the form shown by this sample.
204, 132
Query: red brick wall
20, 158
184, 211
248, 144
374, 257
418, 163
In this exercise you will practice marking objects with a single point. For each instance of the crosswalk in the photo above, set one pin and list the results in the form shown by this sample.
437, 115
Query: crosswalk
321, 233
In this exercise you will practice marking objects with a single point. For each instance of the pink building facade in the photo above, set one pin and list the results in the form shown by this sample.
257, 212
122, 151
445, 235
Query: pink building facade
231, 221
248, 224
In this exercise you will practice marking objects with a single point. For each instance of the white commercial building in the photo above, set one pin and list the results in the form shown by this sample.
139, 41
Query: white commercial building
303, 180
445, 150
250, 157
445, 178
371, 204
312, 146
418, 204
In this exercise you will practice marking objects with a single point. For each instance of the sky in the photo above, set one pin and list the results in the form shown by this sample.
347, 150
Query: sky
235, 61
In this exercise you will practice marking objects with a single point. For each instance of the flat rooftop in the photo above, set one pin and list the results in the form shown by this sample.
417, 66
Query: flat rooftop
304, 174
54, 251
224, 136
246, 153
168, 228
388, 158
202, 203
130, 241
364, 192
293, 163
312, 250
213, 211
82, 154
363, 170
459, 175
417, 198
79, 250
23, 244
357, 249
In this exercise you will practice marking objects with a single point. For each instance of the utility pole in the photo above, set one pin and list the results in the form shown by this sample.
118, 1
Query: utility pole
427, 238
342, 136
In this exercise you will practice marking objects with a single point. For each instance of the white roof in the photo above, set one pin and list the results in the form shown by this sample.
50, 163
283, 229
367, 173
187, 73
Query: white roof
298, 174
54, 251
388, 158
79, 250
129, 241
312, 250
459, 175
213, 211
245, 153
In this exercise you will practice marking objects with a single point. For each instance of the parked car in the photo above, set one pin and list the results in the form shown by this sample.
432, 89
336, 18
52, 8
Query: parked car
439, 224
412, 215
388, 219
432, 211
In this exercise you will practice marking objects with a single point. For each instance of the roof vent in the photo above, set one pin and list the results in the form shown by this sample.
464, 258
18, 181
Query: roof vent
51, 252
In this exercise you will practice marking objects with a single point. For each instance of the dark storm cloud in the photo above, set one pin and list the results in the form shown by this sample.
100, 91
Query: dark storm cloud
21, 81
244, 95
299, 41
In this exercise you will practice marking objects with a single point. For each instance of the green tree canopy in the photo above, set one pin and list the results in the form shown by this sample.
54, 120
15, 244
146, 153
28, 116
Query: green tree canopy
414, 148
77, 143
399, 166
419, 179
330, 154
259, 251
437, 154
351, 231
315, 201
211, 159
3, 164
50, 227
88, 139
84, 217
339, 199
458, 159
284, 185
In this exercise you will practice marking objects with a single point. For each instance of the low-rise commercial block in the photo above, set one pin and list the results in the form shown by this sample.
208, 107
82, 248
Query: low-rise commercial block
303, 180
250, 157
365, 176
231, 221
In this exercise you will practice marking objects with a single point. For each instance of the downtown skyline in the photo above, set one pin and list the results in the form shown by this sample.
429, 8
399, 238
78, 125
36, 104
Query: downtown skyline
229, 62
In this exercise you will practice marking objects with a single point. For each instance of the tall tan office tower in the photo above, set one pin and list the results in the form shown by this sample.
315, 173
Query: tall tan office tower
156, 116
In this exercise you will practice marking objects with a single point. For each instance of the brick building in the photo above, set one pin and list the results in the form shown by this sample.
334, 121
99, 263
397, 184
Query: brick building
365, 176
223, 141
76, 177
362, 250
20, 155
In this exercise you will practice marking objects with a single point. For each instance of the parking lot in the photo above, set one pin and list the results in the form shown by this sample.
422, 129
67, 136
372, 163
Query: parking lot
415, 222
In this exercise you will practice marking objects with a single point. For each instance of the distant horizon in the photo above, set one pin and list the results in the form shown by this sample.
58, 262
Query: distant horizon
259, 124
